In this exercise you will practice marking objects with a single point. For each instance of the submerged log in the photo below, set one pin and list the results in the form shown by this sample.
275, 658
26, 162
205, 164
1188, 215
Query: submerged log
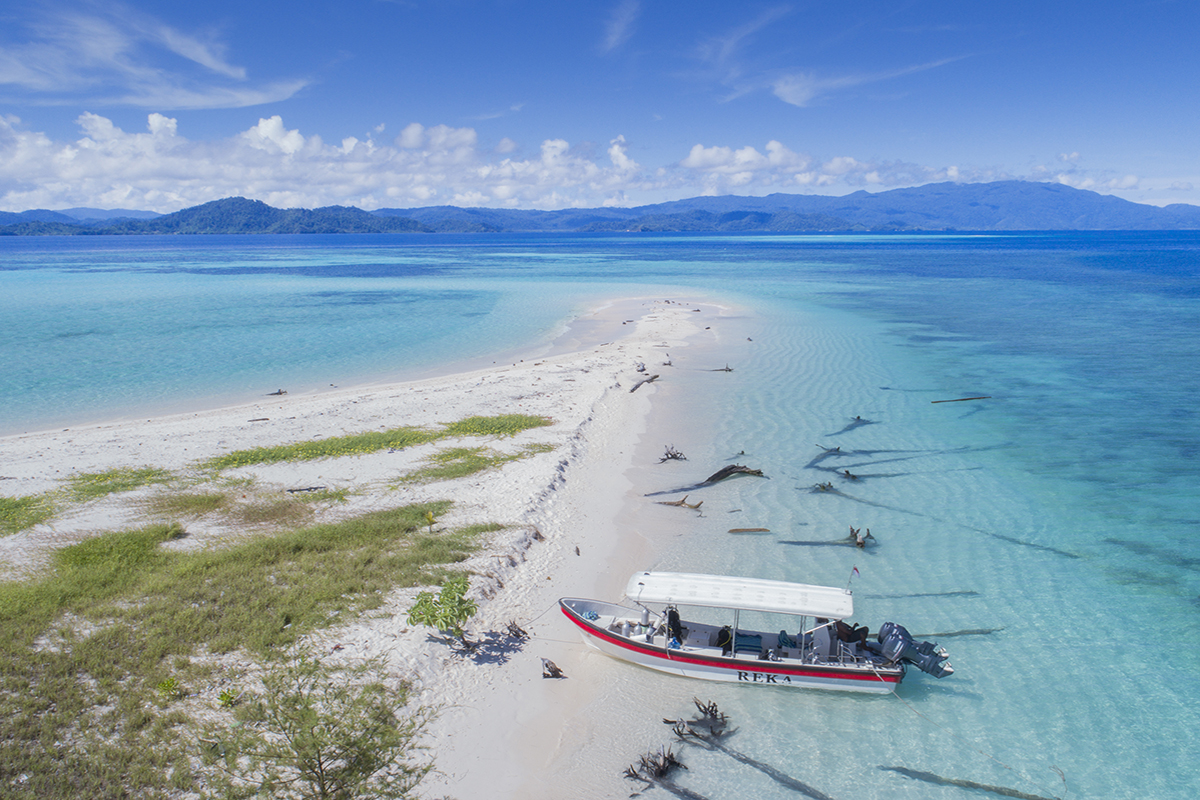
732, 469
681, 503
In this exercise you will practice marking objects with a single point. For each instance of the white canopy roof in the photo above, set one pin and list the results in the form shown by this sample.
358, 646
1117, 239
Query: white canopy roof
747, 594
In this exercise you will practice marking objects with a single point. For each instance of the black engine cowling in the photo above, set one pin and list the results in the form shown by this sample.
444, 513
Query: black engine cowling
898, 645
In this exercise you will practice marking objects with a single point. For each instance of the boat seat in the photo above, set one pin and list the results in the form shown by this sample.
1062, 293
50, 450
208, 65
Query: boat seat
747, 643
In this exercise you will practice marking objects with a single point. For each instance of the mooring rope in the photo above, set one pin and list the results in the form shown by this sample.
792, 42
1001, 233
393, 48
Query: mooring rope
968, 745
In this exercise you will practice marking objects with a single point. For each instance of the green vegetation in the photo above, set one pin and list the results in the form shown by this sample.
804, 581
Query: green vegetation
271, 512
19, 513
94, 485
334, 447
458, 462
188, 504
447, 611
317, 732
502, 425
374, 441
103, 654
88, 646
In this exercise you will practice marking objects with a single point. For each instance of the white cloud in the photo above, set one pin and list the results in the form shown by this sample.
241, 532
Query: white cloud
721, 170
412, 137
270, 135
617, 153
1093, 182
161, 169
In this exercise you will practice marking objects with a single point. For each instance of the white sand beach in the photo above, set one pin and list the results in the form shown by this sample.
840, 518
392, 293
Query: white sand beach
501, 728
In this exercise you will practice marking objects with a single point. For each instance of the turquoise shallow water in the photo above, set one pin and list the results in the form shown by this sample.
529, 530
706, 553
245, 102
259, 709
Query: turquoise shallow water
1051, 527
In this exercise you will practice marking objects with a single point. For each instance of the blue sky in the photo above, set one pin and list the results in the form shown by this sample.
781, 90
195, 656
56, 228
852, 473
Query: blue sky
401, 103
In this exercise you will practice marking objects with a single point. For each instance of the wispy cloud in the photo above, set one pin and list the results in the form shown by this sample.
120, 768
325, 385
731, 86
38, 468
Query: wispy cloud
515, 108
620, 25
116, 55
721, 51
801, 88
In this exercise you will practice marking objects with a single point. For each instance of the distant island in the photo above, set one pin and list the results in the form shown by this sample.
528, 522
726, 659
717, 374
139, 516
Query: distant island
997, 206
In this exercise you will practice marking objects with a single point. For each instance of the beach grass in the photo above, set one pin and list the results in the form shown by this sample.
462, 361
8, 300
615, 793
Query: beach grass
19, 513
333, 447
270, 512
459, 462
374, 441
94, 485
500, 425
90, 644
188, 504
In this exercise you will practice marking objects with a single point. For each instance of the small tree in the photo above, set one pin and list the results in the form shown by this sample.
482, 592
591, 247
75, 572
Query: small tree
319, 732
446, 611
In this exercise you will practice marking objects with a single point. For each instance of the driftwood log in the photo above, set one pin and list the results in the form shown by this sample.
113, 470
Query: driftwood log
732, 469
638, 385
672, 455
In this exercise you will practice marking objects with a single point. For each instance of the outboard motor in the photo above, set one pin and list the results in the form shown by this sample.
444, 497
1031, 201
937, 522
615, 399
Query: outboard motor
898, 645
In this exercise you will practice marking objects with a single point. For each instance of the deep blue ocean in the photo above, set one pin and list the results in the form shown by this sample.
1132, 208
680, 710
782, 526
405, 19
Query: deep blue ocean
1049, 533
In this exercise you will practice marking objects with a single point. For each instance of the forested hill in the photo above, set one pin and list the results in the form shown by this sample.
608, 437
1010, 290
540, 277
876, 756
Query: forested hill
998, 206
231, 215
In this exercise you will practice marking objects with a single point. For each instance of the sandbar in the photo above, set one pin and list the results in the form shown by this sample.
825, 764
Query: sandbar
500, 726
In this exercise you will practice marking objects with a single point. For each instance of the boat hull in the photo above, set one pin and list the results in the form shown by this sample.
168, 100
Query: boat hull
709, 664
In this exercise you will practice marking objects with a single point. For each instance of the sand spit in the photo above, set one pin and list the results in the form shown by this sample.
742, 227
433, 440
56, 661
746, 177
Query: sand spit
499, 722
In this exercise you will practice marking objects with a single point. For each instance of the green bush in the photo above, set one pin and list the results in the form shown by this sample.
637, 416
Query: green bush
320, 732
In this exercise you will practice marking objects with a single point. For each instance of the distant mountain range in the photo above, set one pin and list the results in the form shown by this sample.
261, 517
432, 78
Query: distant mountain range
999, 206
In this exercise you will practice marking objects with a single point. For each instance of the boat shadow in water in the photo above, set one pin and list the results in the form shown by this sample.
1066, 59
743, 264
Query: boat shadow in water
938, 780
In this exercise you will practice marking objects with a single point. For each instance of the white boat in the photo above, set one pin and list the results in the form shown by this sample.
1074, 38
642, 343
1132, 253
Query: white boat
819, 650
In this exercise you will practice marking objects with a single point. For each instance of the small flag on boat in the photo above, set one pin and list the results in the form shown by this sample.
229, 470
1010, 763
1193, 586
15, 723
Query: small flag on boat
853, 572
